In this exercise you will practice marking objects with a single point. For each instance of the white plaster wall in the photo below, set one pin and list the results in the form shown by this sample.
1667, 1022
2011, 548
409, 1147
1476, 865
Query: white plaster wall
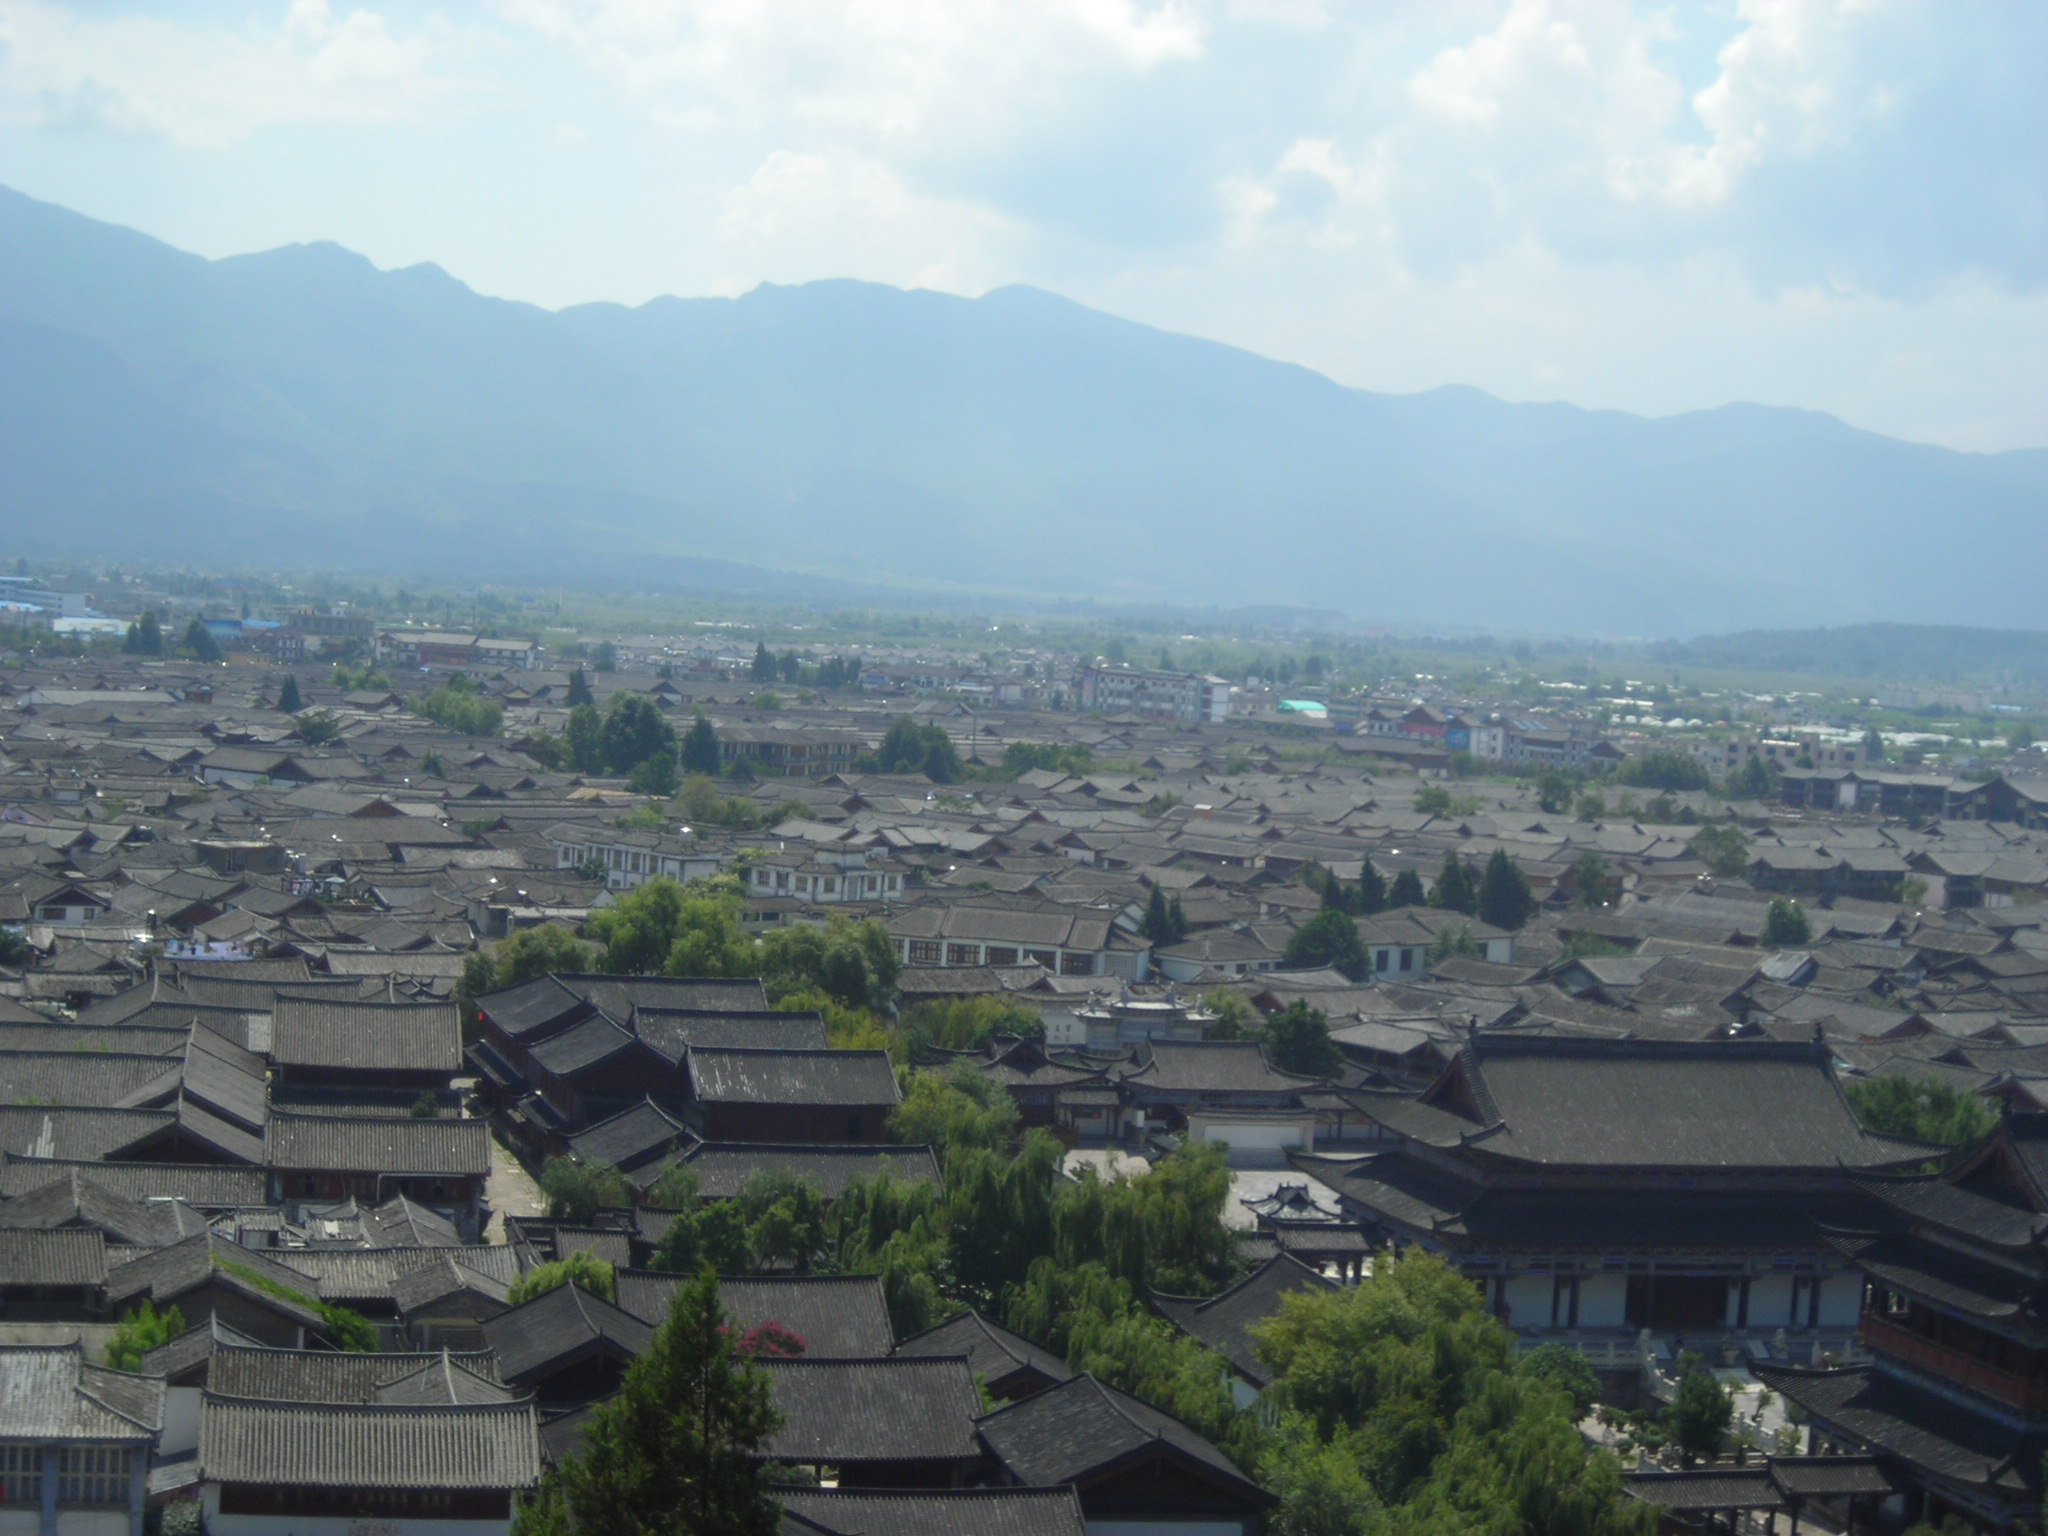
1603, 1301
1528, 1298
181, 1420
1841, 1301
1770, 1301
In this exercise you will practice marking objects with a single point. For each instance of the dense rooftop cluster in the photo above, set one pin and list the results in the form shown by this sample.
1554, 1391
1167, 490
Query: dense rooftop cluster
1656, 1072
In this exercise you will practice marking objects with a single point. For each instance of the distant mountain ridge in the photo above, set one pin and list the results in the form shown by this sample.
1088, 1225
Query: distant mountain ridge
300, 405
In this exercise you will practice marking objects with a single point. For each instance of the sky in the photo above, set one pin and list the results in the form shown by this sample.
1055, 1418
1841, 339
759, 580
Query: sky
1834, 204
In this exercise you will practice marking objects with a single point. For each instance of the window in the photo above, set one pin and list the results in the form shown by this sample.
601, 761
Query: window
21, 1476
1407, 959
1077, 965
1380, 957
998, 955
924, 952
963, 954
92, 1474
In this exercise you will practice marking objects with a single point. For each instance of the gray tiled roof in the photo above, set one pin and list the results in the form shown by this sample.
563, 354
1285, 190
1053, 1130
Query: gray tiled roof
557, 1325
63, 1256
793, 1077
629, 1135
932, 1512
320, 1376
840, 1317
993, 1352
50, 1392
378, 1144
409, 1037
72, 1199
1224, 1322
840, 1411
1081, 1427
206, 1186
1739, 1103
479, 1445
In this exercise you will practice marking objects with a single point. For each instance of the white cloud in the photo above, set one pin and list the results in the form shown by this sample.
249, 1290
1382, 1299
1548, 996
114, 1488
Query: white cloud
209, 87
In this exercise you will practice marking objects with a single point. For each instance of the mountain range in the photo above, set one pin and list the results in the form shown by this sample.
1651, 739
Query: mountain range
300, 406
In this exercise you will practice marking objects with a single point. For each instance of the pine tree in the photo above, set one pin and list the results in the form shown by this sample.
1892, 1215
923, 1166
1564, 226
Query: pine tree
1177, 919
1372, 889
1785, 924
1297, 1040
677, 1451
1158, 924
145, 636
1454, 890
766, 668
700, 747
1407, 891
288, 698
1504, 897
200, 642
579, 690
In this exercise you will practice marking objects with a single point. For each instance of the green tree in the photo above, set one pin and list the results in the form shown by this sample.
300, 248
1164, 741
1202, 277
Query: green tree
145, 636
654, 775
1407, 890
677, 1452
288, 699
1452, 941
1786, 925
1664, 769
1372, 889
766, 669
141, 1329
908, 747
712, 1233
1554, 793
1594, 883
581, 1267
604, 656
1723, 849
1400, 1411
576, 1191
199, 642
1328, 939
1505, 900
1566, 1369
1920, 1109
700, 746
583, 735
579, 691
1297, 1039
1235, 1018
1754, 780
457, 705
530, 952
316, 727
633, 731
954, 1109
1158, 923
1700, 1412
1455, 890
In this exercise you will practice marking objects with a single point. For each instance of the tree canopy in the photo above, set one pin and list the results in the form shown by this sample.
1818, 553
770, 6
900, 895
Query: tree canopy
677, 1452
1504, 898
1329, 939
1785, 924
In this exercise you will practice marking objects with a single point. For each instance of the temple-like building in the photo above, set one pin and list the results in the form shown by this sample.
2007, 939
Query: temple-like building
1624, 1194
1955, 1397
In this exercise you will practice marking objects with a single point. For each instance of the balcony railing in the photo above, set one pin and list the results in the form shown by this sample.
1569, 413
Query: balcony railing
2027, 1393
